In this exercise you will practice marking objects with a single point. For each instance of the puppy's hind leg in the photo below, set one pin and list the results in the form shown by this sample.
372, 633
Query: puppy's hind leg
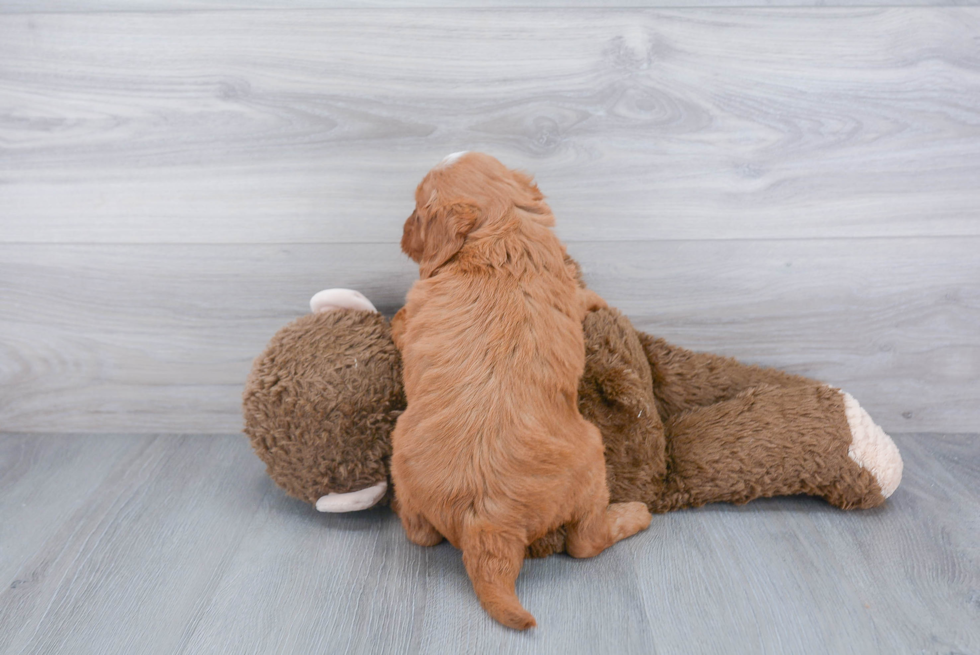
418, 529
600, 529
599, 525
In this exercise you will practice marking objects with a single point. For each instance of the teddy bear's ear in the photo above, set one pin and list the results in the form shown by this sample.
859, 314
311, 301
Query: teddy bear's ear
331, 299
352, 501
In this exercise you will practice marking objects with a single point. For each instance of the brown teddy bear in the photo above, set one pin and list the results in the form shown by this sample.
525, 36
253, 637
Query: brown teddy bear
681, 429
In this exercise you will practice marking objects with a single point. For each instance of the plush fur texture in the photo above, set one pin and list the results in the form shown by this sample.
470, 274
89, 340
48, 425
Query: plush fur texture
771, 433
492, 452
321, 401
719, 430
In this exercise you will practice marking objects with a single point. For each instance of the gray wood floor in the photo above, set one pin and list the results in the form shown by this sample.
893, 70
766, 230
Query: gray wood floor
181, 544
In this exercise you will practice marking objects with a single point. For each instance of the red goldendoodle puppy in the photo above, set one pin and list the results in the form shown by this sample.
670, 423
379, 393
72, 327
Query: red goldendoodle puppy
492, 452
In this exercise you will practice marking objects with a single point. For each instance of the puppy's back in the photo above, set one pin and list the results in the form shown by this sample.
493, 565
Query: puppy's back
498, 333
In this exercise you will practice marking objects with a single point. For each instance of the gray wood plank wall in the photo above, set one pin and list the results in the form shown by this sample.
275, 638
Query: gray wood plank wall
798, 187
92, 6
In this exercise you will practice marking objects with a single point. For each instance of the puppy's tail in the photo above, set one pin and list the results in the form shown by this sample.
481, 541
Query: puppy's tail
493, 558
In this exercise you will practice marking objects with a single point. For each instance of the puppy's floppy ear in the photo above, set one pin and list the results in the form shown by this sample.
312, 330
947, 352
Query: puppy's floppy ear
412, 236
444, 233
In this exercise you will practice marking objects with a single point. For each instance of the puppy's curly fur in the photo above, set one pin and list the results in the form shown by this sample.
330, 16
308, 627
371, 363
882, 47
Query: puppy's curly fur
491, 452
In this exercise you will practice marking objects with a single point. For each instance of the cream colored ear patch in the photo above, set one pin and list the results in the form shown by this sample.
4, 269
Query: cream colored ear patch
331, 299
871, 448
353, 501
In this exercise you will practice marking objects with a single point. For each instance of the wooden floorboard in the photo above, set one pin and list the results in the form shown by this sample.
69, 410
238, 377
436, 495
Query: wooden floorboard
181, 544
35, 514
131, 568
315, 126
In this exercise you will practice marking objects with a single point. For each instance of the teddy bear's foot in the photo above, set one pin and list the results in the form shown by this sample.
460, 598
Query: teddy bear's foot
871, 448
331, 299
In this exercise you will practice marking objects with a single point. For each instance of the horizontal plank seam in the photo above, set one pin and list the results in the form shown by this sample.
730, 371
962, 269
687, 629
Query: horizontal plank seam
233, 244
483, 9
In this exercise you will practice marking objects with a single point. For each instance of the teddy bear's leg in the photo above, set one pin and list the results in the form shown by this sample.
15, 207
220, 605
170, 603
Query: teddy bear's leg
775, 441
684, 380
871, 447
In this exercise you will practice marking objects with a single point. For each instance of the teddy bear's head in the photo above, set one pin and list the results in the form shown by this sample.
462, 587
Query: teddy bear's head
320, 404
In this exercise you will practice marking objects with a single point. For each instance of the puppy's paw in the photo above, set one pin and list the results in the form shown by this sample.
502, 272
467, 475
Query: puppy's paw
420, 532
591, 301
628, 518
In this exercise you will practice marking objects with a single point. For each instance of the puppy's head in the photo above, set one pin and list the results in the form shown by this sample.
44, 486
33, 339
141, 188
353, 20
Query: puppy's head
464, 192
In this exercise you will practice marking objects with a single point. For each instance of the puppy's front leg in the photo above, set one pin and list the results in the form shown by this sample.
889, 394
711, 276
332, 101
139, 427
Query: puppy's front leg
590, 301
398, 326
